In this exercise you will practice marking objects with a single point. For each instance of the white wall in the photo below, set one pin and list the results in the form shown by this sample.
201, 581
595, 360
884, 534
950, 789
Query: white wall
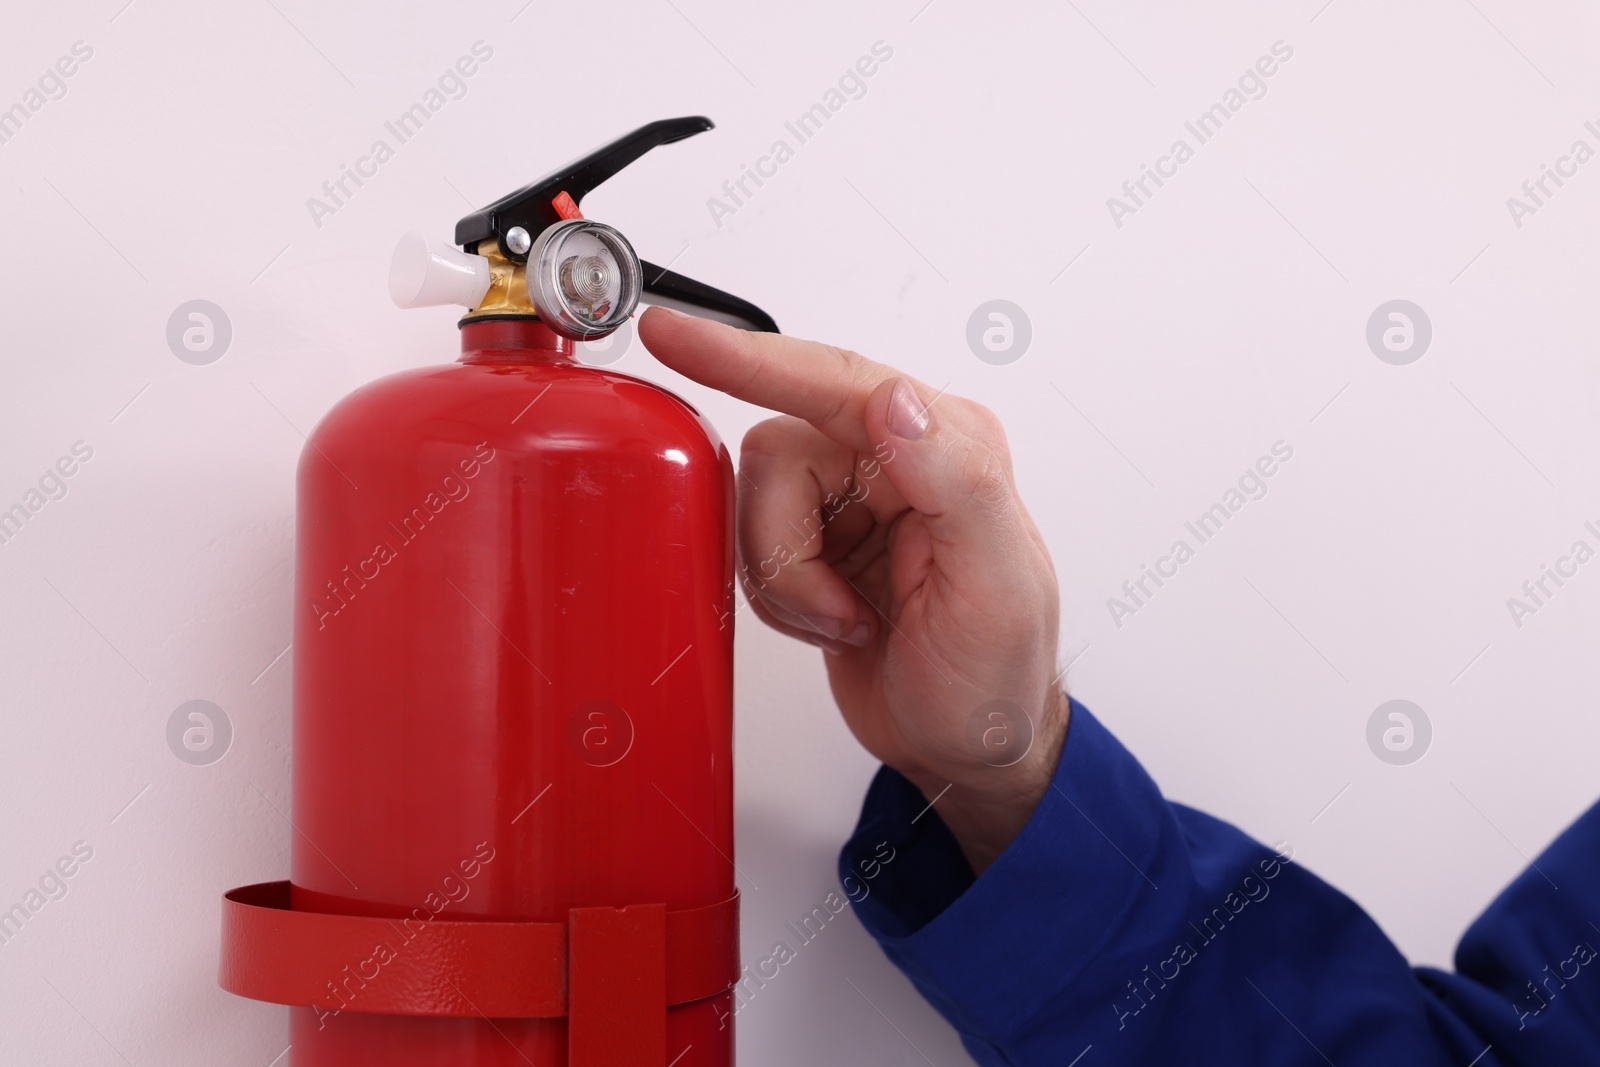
1222, 317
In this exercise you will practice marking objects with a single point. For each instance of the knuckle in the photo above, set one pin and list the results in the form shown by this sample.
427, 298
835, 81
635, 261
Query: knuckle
982, 478
985, 426
984, 421
753, 355
981, 414
854, 364
854, 369
769, 437
858, 376
766, 568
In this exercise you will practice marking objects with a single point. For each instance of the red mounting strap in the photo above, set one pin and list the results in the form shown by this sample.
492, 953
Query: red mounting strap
613, 970
616, 984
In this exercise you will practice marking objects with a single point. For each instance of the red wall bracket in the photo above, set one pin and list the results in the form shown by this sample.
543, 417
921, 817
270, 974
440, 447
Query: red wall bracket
612, 971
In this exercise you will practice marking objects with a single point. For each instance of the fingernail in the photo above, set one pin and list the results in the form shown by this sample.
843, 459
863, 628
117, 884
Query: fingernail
674, 312
908, 418
858, 636
823, 625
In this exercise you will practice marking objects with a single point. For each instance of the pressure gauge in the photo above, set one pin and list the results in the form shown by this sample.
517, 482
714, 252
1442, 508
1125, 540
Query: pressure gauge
583, 278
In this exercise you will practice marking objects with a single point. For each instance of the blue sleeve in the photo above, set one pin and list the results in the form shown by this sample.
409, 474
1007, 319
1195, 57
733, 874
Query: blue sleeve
1124, 929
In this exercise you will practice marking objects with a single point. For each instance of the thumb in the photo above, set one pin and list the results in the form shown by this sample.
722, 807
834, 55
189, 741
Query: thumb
959, 483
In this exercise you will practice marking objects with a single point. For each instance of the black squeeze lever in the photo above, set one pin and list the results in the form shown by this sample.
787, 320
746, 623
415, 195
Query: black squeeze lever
533, 208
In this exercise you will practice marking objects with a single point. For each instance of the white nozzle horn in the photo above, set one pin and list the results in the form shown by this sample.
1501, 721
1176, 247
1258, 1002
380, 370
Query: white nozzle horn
425, 273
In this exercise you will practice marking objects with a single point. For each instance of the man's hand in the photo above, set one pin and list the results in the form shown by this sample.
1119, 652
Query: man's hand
880, 521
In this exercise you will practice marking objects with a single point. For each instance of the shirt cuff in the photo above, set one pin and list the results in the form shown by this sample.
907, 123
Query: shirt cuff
987, 952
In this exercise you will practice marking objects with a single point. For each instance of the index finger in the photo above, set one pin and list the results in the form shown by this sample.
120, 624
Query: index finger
826, 386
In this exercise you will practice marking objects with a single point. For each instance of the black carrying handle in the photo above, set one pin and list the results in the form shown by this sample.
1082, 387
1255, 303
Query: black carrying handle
531, 208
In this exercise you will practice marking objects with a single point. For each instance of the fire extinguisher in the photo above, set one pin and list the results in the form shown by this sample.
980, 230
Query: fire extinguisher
512, 820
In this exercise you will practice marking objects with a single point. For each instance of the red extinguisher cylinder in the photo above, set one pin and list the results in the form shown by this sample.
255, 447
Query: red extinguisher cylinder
513, 704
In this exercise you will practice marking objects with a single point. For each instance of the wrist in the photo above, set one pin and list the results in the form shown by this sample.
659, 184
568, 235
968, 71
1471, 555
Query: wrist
984, 806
